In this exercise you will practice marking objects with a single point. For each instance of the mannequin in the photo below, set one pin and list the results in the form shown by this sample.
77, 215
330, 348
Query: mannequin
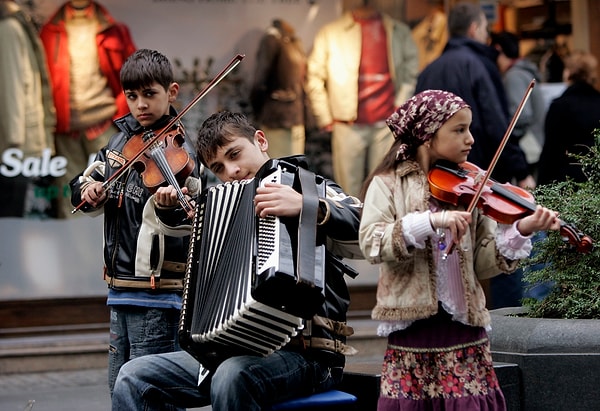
277, 94
431, 34
86, 87
26, 107
362, 66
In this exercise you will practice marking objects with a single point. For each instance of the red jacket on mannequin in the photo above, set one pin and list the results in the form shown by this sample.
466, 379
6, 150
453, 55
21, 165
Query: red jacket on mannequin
114, 43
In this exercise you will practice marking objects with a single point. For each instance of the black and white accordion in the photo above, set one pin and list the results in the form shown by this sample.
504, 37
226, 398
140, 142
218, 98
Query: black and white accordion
250, 282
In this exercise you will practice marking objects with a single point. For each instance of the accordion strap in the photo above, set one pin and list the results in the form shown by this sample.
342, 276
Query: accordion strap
307, 227
336, 327
335, 345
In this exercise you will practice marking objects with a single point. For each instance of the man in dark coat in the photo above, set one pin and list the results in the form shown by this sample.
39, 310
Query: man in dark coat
467, 67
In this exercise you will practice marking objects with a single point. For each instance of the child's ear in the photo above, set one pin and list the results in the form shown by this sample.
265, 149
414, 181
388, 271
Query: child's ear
173, 91
261, 140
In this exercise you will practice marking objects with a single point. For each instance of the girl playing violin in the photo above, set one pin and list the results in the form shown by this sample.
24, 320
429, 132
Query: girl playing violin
430, 303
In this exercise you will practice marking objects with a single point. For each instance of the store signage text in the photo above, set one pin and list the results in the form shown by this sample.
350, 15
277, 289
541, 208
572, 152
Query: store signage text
14, 163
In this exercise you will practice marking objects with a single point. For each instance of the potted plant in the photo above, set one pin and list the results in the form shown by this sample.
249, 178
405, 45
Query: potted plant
555, 340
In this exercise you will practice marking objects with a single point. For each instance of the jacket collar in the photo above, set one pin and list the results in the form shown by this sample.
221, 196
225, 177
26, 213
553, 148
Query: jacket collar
407, 167
580, 88
475, 46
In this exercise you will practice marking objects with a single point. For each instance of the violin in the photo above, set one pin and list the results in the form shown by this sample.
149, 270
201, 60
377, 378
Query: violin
161, 153
163, 161
505, 203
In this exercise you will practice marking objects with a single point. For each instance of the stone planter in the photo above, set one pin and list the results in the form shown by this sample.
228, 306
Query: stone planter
559, 360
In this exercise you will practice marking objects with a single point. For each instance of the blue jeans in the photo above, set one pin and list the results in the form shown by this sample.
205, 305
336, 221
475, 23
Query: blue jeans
137, 331
248, 383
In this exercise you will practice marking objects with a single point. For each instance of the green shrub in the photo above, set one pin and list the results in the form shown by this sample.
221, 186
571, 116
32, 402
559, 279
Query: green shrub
576, 275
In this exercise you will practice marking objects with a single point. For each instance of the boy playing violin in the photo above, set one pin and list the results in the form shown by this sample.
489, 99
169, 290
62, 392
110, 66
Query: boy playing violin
144, 268
429, 300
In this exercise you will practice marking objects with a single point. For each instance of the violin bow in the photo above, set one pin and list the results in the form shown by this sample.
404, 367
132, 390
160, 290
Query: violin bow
216, 80
486, 176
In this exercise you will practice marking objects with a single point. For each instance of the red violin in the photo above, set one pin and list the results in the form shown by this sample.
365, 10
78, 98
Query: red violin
159, 155
163, 161
504, 203
165, 158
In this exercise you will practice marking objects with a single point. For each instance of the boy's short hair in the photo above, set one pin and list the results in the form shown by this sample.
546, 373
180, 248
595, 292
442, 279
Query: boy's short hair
144, 67
461, 16
218, 130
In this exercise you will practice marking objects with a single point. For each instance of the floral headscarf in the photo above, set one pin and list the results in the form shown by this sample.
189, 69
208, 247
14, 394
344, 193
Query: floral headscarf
418, 119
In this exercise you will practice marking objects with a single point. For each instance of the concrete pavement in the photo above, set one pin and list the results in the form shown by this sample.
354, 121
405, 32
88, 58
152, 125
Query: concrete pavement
57, 391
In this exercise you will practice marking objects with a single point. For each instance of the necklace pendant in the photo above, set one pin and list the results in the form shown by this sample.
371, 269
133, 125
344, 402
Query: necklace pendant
441, 244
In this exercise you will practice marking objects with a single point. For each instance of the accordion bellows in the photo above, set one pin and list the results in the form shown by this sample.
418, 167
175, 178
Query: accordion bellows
242, 294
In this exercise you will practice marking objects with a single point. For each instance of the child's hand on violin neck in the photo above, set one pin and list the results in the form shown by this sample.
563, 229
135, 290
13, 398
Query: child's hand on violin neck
167, 196
542, 219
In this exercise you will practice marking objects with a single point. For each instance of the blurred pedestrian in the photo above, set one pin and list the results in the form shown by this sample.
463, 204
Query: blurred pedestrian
517, 73
508, 290
467, 67
571, 120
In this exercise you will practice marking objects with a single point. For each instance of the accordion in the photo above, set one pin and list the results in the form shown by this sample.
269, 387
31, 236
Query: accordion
250, 281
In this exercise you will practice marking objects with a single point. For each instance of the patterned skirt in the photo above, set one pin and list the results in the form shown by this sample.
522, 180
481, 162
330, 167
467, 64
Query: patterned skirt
439, 365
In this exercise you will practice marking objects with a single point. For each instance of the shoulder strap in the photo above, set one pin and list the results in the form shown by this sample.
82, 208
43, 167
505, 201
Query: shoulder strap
307, 226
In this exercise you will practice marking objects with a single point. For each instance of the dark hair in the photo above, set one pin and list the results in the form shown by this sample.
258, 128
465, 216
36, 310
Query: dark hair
508, 43
460, 18
144, 67
218, 130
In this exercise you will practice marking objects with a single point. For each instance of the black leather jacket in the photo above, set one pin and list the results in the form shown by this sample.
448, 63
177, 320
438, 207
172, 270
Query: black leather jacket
136, 255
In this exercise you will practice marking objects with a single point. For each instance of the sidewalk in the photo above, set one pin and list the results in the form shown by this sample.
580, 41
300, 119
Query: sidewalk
57, 391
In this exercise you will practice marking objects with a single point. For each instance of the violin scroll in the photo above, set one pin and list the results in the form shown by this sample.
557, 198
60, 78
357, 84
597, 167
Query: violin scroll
572, 236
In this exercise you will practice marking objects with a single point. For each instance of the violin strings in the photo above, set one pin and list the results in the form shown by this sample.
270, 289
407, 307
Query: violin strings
161, 161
